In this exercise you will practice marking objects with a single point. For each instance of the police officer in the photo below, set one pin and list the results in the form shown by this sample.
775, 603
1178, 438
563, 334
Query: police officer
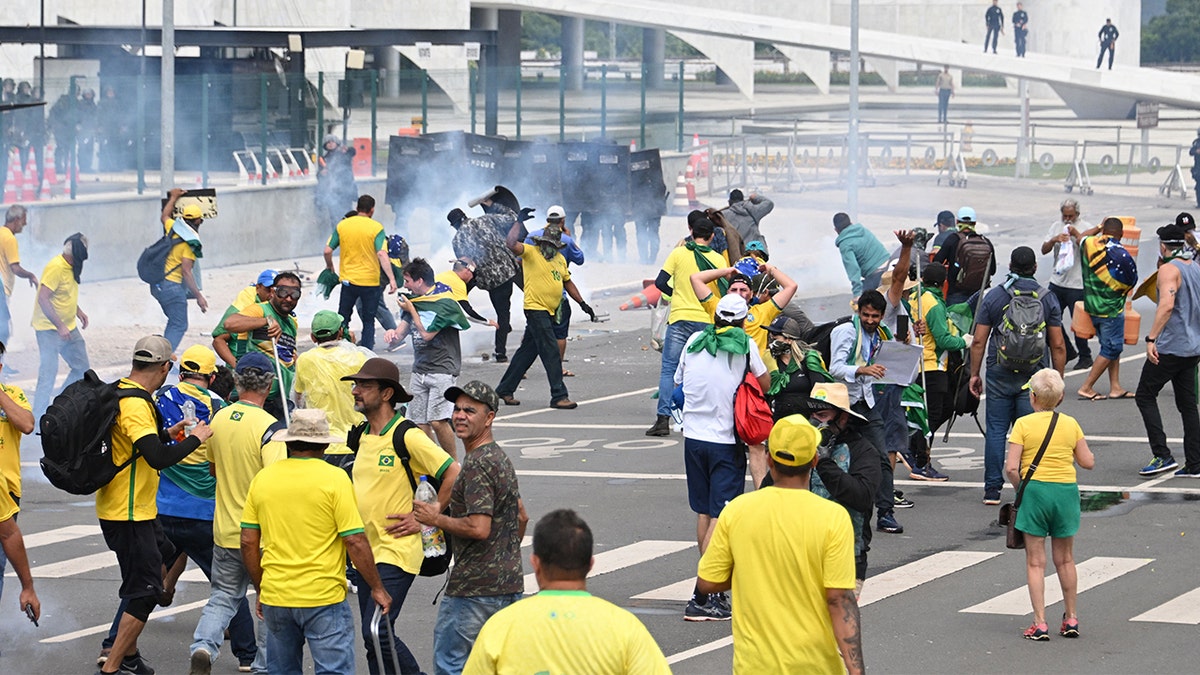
994, 18
1108, 42
1020, 24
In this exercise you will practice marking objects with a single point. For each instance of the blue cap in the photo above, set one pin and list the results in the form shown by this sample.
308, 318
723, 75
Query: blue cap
966, 215
255, 360
756, 245
267, 278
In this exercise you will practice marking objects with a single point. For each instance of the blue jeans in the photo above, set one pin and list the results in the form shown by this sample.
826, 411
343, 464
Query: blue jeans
458, 624
173, 298
328, 630
383, 313
193, 538
5, 318
895, 435
50, 346
1006, 401
367, 298
229, 580
397, 582
673, 342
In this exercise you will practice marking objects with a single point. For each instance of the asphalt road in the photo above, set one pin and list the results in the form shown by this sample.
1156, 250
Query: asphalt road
945, 596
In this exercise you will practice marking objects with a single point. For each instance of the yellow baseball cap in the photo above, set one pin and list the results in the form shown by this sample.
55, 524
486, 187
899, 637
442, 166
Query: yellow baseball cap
794, 441
192, 212
198, 359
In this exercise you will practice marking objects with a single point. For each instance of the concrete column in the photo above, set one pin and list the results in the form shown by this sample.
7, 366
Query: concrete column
509, 48
167, 109
572, 51
389, 57
653, 56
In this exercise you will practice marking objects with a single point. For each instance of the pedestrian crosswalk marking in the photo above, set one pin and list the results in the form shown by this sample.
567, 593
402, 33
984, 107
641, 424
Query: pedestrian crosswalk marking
1091, 572
625, 556
678, 591
158, 614
60, 535
69, 568
918, 572
1184, 609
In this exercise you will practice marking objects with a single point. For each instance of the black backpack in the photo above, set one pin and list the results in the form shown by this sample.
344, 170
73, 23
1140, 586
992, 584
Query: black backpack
151, 264
430, 567
973, 257
76, 434
818, 337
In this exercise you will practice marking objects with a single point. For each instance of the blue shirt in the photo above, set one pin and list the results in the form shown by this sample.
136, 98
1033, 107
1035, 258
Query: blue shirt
991, 313
571, 252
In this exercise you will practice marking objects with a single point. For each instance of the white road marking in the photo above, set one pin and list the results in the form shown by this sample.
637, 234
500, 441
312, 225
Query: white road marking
918, 572
602, 399
158, 614
1184, 609
702, 649
676, 592
59, 535
599, 475
625, 556
532, 425
69, 568
1092, 573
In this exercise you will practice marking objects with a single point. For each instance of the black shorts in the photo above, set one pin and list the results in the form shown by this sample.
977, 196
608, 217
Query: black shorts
141, 548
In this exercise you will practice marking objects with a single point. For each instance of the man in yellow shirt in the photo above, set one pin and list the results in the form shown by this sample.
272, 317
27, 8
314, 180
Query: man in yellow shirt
364, 254
794, 609
16, 420
564, 629
10, 264
54, 318
546, 277
385, 494
240, 447
127, 506
299, 523
179, 280
319, 383
687, 314
13, 546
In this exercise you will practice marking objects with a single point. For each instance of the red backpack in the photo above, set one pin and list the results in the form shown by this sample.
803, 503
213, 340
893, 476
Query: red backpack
752, 419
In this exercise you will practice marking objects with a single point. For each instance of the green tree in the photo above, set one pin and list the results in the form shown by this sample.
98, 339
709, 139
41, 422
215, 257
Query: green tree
1173, 37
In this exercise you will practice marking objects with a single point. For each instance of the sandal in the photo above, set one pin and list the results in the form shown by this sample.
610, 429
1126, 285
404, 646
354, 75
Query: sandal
567, 373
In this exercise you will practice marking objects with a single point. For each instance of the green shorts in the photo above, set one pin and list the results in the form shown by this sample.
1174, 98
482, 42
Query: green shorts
1049, 509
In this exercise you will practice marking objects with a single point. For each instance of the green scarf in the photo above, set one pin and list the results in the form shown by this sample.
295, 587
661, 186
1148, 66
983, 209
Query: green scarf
703, 264
813, 363
729, 339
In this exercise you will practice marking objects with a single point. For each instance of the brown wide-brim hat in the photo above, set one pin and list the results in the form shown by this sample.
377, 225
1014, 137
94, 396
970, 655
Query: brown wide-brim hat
381, 370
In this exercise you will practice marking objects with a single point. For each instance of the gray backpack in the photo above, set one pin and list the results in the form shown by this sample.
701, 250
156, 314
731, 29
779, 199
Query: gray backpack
1022, 343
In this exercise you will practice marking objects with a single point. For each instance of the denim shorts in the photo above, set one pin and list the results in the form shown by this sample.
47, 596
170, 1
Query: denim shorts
1049, 509
1110, 331
716, 473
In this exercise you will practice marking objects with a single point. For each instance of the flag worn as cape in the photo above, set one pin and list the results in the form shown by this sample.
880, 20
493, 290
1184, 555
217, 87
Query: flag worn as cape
438, 309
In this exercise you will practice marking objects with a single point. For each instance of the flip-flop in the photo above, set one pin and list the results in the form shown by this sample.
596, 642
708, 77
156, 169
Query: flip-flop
1126, 394
567, 373
1093, 397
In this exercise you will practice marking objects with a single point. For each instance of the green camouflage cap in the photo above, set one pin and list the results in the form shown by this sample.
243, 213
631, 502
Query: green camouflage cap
476, 390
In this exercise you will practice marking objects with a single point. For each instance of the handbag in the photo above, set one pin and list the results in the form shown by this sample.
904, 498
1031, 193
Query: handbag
1014, 538
752, 420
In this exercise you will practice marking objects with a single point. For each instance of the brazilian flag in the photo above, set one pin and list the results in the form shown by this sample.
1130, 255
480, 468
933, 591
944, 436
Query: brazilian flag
438, 309
912, 399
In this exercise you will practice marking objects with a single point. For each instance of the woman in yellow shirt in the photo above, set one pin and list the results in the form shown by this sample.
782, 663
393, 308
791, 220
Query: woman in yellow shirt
1050, 503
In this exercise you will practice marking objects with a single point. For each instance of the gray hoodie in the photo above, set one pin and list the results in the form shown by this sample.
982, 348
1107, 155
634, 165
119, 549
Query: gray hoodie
745, 216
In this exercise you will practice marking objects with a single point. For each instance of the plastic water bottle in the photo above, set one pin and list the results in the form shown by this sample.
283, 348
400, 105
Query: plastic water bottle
433, 540
189, 417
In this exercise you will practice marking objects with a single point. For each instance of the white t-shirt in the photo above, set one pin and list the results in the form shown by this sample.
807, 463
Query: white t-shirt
1073, 277
709, 384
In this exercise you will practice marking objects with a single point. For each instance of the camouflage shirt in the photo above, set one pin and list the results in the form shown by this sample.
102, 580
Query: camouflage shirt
479, 239
492, 566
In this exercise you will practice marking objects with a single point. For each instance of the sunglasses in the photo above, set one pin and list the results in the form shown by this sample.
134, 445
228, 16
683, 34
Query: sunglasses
287, 293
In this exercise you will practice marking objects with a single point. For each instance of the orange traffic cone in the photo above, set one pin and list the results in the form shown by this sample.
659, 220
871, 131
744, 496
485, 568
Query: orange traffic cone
680, 204
11, 186
649, 297
49, 177
29, 191
693, 202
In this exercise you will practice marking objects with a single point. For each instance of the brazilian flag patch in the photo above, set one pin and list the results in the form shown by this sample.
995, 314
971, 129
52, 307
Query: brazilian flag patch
387, 460
236, 415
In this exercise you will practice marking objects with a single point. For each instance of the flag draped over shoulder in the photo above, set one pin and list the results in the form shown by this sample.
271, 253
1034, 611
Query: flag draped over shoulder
439, 309
912, 399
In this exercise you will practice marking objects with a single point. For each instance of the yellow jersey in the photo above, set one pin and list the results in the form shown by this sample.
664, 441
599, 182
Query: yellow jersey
9, 255
173, 268
360, 239
303, 507
577, 633
1058, 464
681, 265
382, 488
132, 493
64, 294
238, 454
10, 441
543, 279
783, 548
458, 287
319, 374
